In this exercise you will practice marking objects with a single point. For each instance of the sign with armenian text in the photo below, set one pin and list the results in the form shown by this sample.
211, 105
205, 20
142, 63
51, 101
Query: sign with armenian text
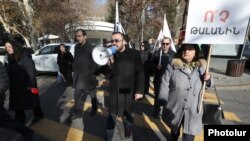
217, 21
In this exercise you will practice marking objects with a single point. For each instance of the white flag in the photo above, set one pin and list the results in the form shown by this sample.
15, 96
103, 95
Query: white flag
166, 33
118, 25
157, 42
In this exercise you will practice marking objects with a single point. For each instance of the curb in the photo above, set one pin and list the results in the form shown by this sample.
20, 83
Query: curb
234, 86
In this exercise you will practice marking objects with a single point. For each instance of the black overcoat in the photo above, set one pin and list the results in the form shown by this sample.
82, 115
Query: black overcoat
65, 61
22, 76
84, 67
127, 78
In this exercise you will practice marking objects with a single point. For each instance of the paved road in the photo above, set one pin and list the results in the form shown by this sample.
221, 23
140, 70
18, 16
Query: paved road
57, 102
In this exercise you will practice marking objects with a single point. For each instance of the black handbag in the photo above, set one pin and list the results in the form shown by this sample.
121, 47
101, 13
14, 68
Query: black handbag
212, 113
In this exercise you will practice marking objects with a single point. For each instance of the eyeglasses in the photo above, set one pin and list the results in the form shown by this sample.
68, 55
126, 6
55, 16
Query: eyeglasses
142, 45
165, 44
115, 40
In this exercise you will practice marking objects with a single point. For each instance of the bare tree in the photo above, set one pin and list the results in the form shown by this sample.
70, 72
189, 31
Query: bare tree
33, 18
19, 22
131, 12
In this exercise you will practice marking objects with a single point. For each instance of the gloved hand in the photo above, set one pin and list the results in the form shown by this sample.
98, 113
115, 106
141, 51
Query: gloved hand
34, 91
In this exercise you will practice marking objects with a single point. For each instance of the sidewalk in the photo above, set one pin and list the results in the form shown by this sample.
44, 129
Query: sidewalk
218, 69
233, 92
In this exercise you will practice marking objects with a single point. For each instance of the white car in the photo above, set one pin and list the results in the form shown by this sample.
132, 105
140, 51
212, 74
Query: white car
46, 58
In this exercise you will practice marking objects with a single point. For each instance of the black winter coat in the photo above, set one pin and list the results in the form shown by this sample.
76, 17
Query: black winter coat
127, 78
84, 67
65, 62
4, 83
166, 59
147, 62
22, 76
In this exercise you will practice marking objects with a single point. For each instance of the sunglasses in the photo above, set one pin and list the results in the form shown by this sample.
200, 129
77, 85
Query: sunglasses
165, 44
115, 40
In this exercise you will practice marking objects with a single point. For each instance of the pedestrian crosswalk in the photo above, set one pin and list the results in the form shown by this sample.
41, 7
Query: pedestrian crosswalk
56, 131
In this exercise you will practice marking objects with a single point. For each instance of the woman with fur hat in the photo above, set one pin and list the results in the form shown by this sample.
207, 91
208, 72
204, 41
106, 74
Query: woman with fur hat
180, 92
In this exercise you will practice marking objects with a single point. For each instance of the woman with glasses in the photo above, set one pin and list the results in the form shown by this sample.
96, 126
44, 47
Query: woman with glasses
180, 92
161, 59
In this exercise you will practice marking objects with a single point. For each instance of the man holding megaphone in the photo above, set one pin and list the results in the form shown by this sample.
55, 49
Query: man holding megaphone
126, 84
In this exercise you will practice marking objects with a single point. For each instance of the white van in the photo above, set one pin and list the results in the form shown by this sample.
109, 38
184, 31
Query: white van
46, 58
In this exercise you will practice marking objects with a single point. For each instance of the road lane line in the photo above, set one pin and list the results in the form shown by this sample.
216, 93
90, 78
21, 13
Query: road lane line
59, 132
231, 116
211, 98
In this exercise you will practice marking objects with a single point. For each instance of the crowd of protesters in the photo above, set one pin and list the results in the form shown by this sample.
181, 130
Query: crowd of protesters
177, 79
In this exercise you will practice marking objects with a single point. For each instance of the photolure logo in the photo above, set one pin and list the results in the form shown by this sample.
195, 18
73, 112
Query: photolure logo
227, 132
215, 132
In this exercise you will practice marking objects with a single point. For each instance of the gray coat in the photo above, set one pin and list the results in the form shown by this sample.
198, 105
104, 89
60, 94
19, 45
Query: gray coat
180, 90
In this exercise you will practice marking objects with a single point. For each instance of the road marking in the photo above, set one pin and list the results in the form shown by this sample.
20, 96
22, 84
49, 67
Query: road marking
231, 116
151, 89
156, 125
199, 137
102, 93
211, 98
147, 100
59, 132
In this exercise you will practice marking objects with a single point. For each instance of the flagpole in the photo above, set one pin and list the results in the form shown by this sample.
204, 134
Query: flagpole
204, 82
245, 40
160, 57
116, 17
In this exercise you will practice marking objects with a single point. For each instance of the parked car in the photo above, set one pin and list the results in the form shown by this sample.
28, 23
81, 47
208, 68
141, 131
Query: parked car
46, 58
